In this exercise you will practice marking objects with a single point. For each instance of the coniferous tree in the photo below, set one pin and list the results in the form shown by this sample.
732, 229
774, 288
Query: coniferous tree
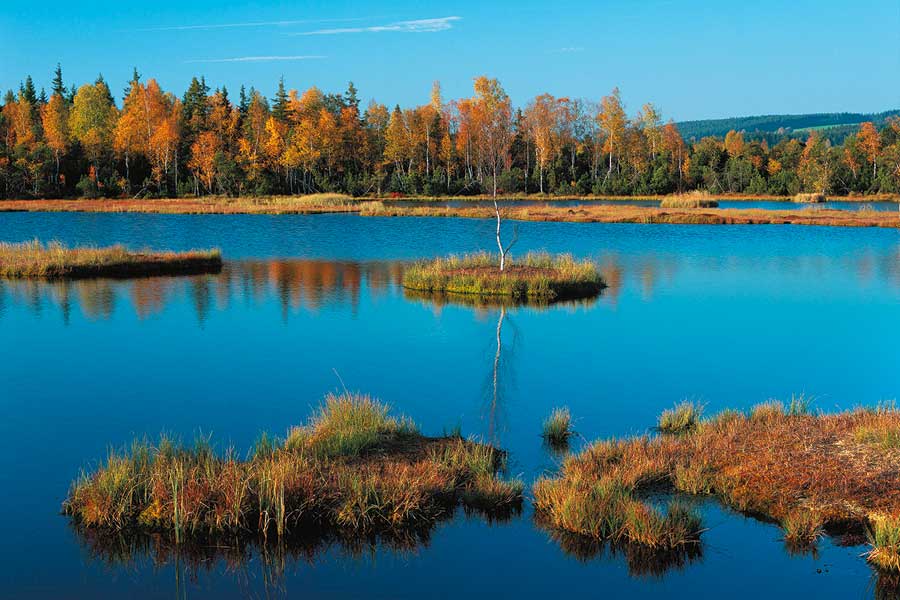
58, 86
279, 105
28, 91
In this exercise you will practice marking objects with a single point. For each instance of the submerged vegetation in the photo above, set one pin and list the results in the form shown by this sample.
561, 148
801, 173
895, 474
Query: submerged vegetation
54, 260
536, 276
809, 472
353, 469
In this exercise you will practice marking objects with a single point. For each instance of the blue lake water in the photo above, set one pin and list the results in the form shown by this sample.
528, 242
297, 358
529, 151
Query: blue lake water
730, 316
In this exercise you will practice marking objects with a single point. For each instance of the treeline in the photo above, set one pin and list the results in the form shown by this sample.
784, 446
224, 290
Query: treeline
79, 142
773, 128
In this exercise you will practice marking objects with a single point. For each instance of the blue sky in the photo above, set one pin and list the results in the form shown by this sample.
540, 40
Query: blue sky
693, 59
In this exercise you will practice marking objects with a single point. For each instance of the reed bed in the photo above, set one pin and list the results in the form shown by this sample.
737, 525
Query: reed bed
809, 472
536, 276
352, 468
55, 260
694, 199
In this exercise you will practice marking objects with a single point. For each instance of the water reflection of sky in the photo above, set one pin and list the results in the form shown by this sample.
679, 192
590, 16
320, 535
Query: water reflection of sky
309, 285
728, 315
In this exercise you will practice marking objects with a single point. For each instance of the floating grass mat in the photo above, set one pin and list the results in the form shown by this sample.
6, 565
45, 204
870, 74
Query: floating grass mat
352, 468
56, 261
538, 277
808, 472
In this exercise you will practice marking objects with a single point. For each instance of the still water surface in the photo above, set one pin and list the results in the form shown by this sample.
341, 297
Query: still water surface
730, 316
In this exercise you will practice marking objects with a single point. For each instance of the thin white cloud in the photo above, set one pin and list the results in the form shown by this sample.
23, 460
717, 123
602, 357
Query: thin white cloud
416, 26
567, 50
252, 24
240, 59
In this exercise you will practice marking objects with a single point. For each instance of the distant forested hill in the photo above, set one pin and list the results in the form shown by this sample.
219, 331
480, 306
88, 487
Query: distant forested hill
835, 126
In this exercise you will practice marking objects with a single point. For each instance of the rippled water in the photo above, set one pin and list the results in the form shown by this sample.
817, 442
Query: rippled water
730, 316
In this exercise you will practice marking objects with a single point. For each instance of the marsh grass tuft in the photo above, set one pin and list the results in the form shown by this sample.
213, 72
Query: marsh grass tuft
536, 276
353, 468
802, 528
557, 428
884, 539
809, 197
55, 260
683, 418
693, 199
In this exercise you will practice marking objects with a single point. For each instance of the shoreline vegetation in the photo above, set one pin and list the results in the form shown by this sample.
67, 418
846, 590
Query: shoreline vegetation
34, 260
695, 199
352, 469
798, 214
810, 473
537, 277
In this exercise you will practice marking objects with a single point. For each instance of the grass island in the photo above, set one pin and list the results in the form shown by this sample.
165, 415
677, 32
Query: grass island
352, 468
808, 472
57, 261
534, 277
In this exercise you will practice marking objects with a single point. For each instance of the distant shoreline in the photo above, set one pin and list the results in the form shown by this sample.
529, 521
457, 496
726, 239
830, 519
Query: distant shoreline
803, 214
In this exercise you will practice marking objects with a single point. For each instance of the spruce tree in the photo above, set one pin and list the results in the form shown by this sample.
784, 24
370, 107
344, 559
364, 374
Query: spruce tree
243, 101
27, 91
58, 85
279, 108
351, 96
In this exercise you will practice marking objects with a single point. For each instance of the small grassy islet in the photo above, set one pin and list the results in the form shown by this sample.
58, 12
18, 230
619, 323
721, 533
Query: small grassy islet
536, 276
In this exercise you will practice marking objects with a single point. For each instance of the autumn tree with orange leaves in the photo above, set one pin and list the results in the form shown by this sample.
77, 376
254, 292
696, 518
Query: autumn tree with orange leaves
151, 143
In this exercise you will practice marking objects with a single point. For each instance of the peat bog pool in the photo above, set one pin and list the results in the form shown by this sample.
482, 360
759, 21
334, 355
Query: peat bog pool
727, 315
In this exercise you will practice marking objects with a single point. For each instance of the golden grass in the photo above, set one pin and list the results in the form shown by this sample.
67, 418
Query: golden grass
55, 260
806, 471
352, 468
694, 199
308, 204
650, 215
684, 417
586, 213
536, 276
809, 197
